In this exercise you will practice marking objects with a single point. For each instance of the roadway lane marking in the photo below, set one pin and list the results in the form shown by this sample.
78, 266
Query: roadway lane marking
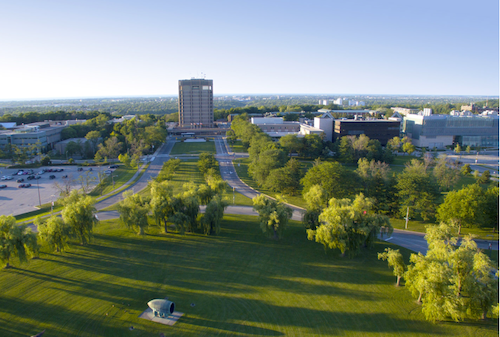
388, 239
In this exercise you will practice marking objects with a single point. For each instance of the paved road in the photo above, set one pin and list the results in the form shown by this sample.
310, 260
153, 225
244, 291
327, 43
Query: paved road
161, 156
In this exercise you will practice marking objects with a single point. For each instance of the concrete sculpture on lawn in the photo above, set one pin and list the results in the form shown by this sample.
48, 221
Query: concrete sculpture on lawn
162, 308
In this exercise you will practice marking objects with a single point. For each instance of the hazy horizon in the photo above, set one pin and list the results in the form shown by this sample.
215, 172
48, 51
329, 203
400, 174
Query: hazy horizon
111, 48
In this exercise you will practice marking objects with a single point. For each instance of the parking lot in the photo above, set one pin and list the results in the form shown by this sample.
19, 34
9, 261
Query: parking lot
15, 200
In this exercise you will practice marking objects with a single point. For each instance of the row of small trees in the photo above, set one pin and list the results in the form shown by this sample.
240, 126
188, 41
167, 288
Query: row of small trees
77, 222
450, 281
180, 210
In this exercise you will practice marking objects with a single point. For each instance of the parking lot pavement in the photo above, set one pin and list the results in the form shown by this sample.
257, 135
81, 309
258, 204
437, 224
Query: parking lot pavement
15, 200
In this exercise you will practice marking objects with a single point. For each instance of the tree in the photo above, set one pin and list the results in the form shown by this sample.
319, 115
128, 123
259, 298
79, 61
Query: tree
291, 143
466, 170
93, 137
446, 175
458, 149
214, 213
394, 144
266, 161
54, 231
409, 148
395, 260
134, 212
452, 282
110, 149
161, 202
206, 162
465, 207
79, 214
417, 190
16, 241
336, 180
285, 179
485, 177
491, 207
347, 225
273, 215
316, 201
45, 161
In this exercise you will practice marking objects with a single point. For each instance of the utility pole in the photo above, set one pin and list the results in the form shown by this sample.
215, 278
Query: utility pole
407, 211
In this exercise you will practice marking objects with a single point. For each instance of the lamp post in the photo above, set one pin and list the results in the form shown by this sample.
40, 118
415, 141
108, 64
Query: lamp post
38, 188
52, 203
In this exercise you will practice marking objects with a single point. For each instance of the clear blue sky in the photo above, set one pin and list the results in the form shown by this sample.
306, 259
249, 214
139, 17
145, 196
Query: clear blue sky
131, 48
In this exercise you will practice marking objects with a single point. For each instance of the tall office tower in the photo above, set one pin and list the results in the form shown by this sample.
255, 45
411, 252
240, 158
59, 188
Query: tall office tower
196, 106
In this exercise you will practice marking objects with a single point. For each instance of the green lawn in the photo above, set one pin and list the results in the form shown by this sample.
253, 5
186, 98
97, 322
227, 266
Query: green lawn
188, 172
120, 176
238, 283
192, 148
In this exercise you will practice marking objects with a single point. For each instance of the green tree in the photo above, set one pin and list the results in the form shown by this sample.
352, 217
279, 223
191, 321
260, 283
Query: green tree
291, 144
54, 232
447, 175
161, 202
266, 161
485, 177
395, 260
316, 200
134, 212
458, 149
79, 214
466, 170
93, 137
409, 148
336, 180
16, 241
452, 282
214, 213
285, 179
206, 162
417, 190
465, 207
273, 215
347, 225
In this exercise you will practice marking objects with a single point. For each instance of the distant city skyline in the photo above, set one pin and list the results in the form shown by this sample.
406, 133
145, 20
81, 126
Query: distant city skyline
109, 48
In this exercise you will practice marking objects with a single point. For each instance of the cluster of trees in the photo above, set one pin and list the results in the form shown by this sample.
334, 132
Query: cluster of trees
77, 221
272, 165
450, 281
180, 210
350, 149
416, 191
347, 224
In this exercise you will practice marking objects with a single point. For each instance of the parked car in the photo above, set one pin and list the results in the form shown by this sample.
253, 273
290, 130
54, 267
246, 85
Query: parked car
113, 166
48, 170
7, 178
60, 170
108, 171
52, 176
37, 177
30, 177
20, 180
3, 186
65, 176
40, 172
20, 186
27, 185
80, 169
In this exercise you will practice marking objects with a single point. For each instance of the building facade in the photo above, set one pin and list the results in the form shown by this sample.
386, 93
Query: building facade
382, 130
196, 107
444, 130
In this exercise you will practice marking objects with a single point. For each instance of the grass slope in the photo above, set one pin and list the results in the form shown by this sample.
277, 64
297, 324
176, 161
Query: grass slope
241, 283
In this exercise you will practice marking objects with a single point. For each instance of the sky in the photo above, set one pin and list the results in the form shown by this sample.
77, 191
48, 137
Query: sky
107, 48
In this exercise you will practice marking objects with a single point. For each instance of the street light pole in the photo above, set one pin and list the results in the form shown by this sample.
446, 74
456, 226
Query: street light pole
38, 188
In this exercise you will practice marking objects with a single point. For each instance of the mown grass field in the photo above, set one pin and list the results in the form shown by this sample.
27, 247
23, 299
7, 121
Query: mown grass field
192, 148
237, 147
120, 177
240, 283
188, 172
